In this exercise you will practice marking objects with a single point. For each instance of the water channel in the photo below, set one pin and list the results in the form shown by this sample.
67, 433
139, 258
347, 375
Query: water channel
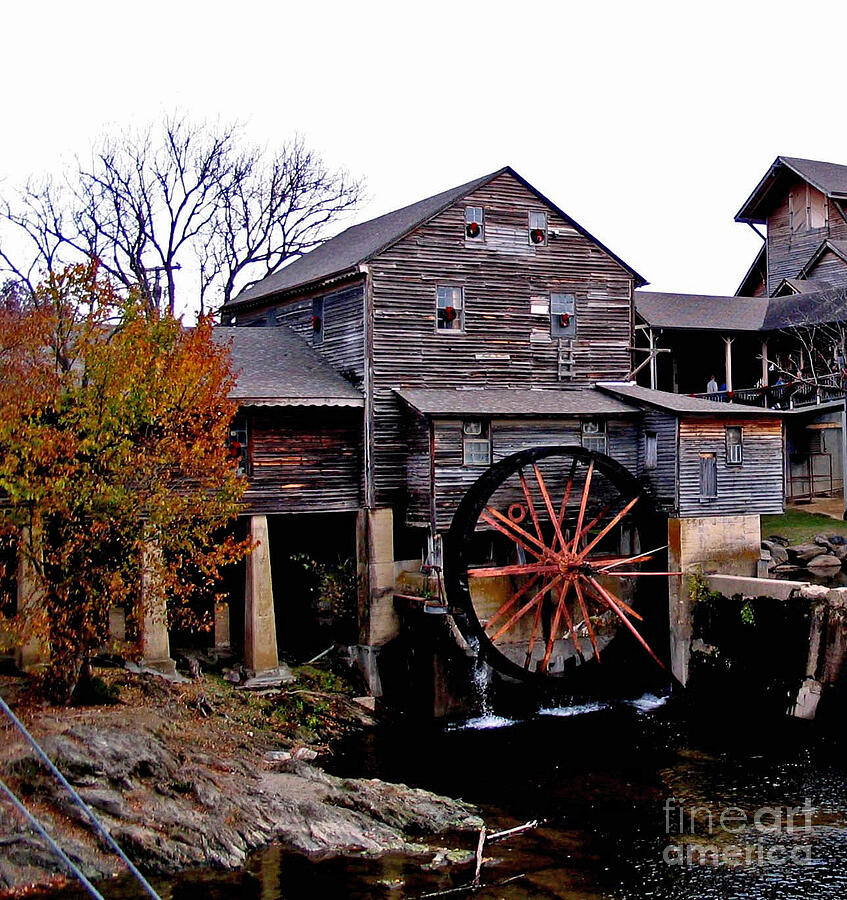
615, 784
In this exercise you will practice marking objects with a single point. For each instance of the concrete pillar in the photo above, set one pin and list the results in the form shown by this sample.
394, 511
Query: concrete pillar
375, 547
155, 643
726, 544
260, 649
222, 632
30, 653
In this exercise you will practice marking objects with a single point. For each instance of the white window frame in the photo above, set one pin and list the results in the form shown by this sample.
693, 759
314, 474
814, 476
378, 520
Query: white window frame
475, 214
476, 443
734, 449
561, 304
537, 219
441, 294
595, 436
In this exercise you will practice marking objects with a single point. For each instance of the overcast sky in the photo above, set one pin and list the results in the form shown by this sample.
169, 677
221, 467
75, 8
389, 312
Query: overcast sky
648, 122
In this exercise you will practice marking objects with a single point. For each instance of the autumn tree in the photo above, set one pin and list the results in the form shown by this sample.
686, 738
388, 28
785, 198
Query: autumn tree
179, 195
114, 466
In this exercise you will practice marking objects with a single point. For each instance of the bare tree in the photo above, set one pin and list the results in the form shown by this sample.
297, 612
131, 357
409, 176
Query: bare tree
180, 195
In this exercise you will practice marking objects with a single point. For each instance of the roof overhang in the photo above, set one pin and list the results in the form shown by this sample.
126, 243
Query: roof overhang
300, 401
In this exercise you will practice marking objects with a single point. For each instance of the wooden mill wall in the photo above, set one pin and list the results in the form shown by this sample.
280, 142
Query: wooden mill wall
755, 487
661, 480
453, 479
830, 267
787, 252
304, 460
503, 345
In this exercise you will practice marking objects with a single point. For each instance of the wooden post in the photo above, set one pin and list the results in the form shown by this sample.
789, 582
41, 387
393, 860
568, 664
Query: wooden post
844, 459
651, 338
728, 342
765, 370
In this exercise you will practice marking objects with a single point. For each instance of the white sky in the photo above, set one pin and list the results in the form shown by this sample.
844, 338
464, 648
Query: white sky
648, 122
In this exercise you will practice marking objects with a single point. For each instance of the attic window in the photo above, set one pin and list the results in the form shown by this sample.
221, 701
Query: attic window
318, 320
450, 308
807, 209
538, 228
476, 443
562, 316
239, 446
474, 223
734, 451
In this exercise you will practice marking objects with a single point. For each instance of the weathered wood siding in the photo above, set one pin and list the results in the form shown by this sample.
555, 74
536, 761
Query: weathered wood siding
751, 488
304, 460
662, 479
419, 472
503, 343
830, 267
787, 252
453, 479
343, 344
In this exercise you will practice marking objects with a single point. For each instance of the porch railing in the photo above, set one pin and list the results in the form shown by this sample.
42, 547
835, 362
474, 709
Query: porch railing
790, 395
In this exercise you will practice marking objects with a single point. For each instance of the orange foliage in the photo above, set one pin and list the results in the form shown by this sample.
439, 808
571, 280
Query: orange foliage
113, 440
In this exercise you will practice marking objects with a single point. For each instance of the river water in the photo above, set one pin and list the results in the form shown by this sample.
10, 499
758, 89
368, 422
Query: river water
625, 792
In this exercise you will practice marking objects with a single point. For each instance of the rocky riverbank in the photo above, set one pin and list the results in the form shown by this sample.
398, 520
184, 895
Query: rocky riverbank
187, 781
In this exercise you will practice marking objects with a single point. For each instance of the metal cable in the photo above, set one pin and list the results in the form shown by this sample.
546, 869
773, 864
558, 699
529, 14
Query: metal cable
98, 827
39, 829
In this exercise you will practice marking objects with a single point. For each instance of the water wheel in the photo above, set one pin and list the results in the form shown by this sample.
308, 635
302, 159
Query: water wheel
543, 554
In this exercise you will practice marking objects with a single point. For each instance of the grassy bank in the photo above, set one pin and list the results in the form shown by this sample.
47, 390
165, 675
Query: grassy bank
799, 526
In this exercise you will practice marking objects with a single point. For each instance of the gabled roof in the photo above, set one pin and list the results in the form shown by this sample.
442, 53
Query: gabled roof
701, 311
839, 248
505, 402
817, 308
829, 178
276, 367
359, 243
681, 403
790, 286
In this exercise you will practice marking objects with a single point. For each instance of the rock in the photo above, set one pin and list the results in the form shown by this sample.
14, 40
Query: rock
841, 551
802, 553
823, 540
305, 753
814, 592
824, 562
777, 552
277, 756
778, 539
838, 540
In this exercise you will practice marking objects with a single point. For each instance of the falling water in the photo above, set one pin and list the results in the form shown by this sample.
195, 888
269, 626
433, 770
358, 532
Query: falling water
481, 687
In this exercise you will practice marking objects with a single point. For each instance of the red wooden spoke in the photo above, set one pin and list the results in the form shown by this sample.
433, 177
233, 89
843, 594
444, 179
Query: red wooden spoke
637, 574
582, 505
572, 628
568, 489
641, 557
549, 504
604, 596
609, 527
527, 569
551, 638
535, 623
610, 600
592, 523
530, 506
512, 600
495, 524
490, 511
525, 609
586, 618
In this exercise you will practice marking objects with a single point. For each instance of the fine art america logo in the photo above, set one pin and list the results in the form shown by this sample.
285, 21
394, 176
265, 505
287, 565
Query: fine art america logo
731, 836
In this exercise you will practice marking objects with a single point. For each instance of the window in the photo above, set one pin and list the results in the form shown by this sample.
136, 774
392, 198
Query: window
317, 320
476, 443
450, 308
474, 223
708, 476
807, 208
562, 316
238, 446
651, 449
538, 228
594, 435
734, 453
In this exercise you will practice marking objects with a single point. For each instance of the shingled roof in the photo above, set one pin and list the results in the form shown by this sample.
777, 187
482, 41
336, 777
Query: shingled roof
359, 243
701, 312
276, 367
680, 403
829, 178
505, 402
